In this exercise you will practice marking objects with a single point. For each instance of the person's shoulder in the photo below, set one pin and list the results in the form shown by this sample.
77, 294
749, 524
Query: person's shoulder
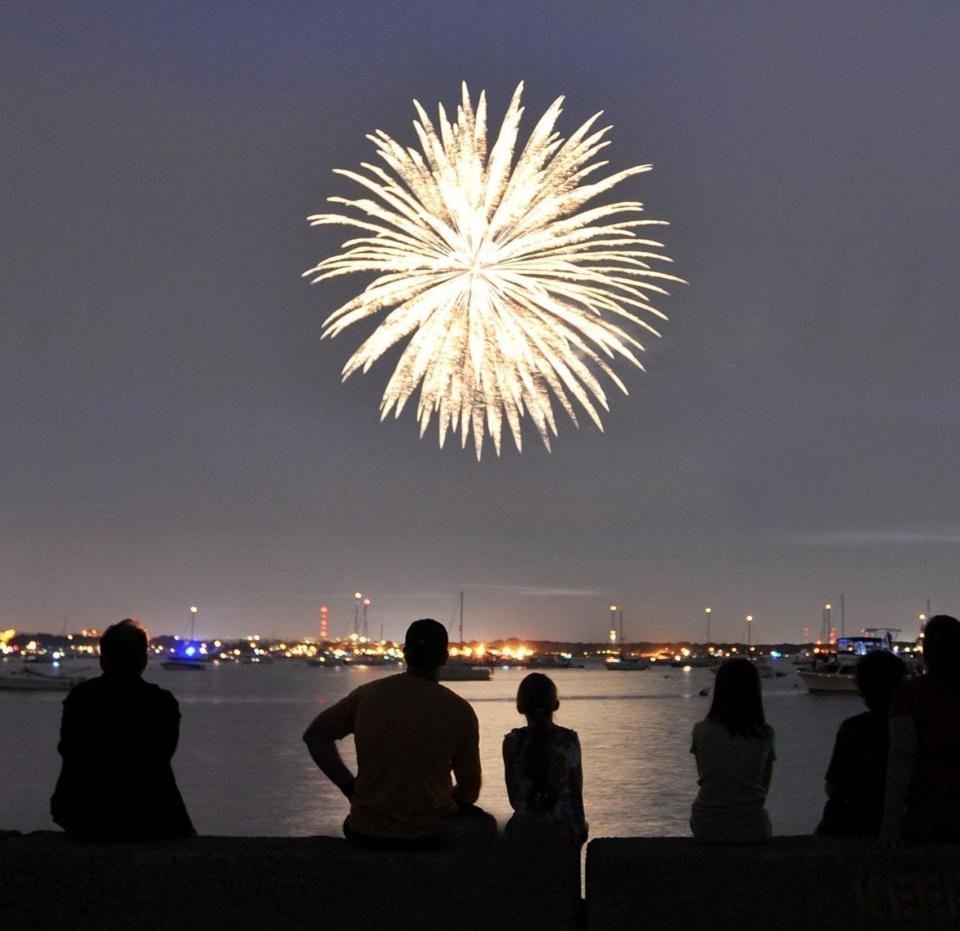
454, 703
516, 735
705, 726
85, 691
858, 723
565, 735
154, 693
388, 683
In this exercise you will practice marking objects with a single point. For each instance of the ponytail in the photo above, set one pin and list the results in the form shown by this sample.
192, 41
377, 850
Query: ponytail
537, 699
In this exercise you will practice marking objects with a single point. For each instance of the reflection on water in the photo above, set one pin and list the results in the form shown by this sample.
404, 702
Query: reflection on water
243, 768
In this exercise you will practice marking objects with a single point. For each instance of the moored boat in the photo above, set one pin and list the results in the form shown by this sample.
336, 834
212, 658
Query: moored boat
463, 672
179, 663
623, 663
29, 680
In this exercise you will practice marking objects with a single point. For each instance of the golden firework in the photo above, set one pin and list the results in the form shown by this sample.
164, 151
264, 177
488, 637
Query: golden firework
507, 289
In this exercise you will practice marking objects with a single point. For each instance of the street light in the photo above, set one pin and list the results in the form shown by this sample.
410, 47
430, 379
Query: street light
193, 618
613, 624
357, 597
708, 612
749, 629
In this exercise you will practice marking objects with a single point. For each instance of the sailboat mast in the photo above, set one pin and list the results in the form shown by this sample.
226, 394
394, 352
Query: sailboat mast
461, 619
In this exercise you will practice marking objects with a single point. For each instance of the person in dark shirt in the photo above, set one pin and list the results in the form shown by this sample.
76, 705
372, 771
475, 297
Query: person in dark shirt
117, 737
856, 776
923, 768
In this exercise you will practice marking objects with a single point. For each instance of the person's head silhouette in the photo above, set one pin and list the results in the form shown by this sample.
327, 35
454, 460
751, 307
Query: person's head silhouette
425, 647
123, 648
877, 676
941, 646
737, 702
537, 696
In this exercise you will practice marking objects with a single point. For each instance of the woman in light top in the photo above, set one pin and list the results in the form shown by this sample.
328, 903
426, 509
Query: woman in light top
734, 747
543, 771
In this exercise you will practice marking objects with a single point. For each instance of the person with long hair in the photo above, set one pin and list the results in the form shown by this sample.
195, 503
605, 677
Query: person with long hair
735, 750
922, 799
543, 769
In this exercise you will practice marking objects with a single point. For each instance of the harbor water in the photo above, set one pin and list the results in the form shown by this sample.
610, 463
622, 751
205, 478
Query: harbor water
243, 768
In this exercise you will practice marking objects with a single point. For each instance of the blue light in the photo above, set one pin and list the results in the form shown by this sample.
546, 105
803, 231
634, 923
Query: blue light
190, 651
775, 654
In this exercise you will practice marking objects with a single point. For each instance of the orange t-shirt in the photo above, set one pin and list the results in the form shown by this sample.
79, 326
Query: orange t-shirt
410, 732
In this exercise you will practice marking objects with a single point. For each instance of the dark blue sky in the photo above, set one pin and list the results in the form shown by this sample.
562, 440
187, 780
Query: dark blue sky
174, 431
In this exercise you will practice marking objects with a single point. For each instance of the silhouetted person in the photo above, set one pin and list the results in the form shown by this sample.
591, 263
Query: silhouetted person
543, 770
923, 767
117, 738
734, 747
410, 732
857, 774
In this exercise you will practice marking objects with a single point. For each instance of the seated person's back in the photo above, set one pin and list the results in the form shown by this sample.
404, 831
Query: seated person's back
117, 738
856, 776
923, 771
734, 750
543, 770
409, 732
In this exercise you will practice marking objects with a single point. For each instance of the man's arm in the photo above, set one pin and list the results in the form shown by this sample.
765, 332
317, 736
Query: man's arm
325, 754
320, 737
466, 765
510, 771
901, 762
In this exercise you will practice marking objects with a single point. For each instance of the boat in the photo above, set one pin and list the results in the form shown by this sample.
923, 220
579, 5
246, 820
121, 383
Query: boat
460, 670
835, 673
178, 663
623, 663
763, 664
30, 680
463, 672
552, 661
831, 674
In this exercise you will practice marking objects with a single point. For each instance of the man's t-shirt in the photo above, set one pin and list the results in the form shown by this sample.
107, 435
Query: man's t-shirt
409, 733
935, 710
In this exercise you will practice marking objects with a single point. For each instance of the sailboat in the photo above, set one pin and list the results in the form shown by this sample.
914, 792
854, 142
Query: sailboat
459, 670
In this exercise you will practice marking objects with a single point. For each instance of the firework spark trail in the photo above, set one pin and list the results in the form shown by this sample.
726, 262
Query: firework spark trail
509, 292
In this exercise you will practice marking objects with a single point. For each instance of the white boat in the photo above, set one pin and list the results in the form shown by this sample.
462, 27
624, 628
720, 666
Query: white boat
29, 680
836, 676
828, 681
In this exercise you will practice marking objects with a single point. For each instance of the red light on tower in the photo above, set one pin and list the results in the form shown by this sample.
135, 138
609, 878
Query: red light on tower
324, 622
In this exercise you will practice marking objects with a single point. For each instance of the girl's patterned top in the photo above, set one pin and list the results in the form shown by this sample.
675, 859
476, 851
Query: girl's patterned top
562, 807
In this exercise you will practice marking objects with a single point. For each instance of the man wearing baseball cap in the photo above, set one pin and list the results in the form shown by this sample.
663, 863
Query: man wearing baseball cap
410, 734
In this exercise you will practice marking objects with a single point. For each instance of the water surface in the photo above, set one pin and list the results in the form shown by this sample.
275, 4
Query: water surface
243, 768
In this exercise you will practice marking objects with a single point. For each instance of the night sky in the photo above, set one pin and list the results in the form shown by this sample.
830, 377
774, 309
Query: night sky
174, 431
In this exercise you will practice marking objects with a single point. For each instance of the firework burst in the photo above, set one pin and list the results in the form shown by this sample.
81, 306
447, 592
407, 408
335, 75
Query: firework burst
510, 293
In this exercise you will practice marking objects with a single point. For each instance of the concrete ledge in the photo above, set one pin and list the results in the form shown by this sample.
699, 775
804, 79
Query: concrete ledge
49, 881
789, 883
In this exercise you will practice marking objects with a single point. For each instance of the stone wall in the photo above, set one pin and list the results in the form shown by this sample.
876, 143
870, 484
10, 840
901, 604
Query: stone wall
48, 881
790, 883
821, 884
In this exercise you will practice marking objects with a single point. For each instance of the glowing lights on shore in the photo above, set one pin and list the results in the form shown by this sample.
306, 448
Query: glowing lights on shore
507, 290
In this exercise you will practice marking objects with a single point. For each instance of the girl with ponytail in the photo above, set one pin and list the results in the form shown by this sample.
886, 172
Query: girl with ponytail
543, 770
